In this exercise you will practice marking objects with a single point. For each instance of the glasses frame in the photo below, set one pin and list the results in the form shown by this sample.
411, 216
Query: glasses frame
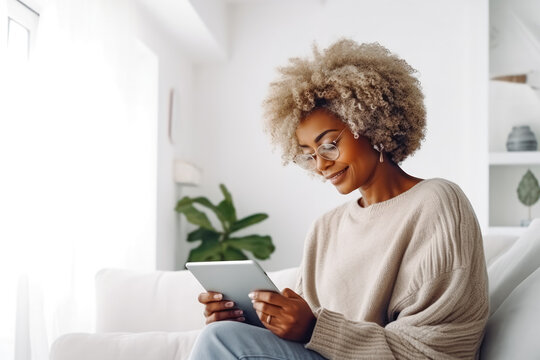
316, 153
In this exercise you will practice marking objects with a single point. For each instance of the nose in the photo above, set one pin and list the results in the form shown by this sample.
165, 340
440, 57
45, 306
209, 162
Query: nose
322, 164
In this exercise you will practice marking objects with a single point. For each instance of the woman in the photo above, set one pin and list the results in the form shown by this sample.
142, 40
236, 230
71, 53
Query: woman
400, 272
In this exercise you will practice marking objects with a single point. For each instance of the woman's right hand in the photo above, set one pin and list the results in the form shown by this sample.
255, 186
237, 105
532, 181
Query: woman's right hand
217, 309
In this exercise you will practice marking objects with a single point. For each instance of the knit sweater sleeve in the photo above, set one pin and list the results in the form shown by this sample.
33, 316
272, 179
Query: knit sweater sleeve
444, 319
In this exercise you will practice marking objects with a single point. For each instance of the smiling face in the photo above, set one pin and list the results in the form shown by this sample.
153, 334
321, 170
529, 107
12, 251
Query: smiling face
358, 160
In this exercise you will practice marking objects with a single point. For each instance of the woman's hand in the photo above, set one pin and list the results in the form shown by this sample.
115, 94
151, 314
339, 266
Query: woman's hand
287, 314
217, 309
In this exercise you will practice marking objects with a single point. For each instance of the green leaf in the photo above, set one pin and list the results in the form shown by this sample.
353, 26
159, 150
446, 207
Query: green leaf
222, 213
528, 189
209, 250
203, 234
195, 216
226, 193
260, 246
226, 209
182, 204
227, 206
233, 254
204, 202
248, 221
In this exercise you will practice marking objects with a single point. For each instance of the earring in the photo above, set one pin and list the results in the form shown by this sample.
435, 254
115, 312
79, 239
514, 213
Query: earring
380, 149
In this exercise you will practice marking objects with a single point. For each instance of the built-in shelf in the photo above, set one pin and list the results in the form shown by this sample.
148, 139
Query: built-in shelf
515, 158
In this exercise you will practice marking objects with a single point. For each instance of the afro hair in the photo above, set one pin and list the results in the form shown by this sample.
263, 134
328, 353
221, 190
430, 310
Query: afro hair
370, 89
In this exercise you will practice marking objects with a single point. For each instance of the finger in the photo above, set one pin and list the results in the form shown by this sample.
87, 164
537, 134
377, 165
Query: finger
274, 323
224, 315
218, 306
273, 328
267, 308
289, 293
264, 318
268, 297
210, 296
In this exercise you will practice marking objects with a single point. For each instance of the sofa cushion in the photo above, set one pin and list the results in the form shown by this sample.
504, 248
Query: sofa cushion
514, 266
285, 278
495, 245
512, 331
131, 301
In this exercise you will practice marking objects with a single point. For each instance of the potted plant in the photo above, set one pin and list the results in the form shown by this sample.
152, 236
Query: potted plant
220, 244
528, 193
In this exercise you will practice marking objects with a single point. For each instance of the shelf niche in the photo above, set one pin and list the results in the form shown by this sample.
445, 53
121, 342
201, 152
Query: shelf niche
505, 209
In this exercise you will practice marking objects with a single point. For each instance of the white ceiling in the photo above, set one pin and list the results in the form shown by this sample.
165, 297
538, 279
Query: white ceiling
192, 33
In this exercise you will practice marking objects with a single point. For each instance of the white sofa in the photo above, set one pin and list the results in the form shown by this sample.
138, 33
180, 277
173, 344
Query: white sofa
156, 315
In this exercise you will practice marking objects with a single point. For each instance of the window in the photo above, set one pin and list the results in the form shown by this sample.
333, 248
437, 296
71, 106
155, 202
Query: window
22, 22
18, 40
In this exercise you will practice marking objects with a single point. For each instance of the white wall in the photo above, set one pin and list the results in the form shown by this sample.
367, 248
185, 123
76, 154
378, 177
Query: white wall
447, 43
175, 71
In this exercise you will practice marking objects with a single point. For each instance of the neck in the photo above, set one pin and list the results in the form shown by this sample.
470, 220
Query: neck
388, 180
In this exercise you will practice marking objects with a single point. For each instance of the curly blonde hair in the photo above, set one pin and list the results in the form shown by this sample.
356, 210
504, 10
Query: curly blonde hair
371, 90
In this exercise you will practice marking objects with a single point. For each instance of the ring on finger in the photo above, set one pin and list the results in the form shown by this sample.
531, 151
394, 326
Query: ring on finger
269, 319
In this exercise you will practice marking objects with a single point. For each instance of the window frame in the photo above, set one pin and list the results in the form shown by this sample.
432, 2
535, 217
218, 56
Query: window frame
23, 14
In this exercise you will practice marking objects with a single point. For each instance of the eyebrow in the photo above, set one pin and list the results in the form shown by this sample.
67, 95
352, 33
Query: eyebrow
319, 137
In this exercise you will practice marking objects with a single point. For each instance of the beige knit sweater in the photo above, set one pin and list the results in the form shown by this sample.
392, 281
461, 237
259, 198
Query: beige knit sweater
405, 278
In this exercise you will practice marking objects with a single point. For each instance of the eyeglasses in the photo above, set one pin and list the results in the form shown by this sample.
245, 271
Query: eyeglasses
326, 151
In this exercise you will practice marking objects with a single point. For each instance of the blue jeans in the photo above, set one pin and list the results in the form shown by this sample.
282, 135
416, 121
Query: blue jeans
225, 340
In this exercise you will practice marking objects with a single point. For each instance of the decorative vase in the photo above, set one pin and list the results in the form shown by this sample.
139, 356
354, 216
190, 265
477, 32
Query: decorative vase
521, 138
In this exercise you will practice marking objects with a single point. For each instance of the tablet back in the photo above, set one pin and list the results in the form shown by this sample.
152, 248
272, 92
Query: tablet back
235, 280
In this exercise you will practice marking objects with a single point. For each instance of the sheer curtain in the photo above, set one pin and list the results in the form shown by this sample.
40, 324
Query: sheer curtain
78, 169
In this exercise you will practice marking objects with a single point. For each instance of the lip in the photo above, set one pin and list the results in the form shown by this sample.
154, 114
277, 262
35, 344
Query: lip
337, 176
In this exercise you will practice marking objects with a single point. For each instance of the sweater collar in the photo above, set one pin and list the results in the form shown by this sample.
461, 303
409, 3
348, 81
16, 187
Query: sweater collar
376, 208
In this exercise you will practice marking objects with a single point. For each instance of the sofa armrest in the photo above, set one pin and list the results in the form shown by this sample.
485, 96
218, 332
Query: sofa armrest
514, 265
512, 331
124, 346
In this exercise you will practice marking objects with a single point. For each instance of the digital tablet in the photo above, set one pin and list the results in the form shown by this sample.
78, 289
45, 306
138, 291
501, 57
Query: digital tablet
235, 280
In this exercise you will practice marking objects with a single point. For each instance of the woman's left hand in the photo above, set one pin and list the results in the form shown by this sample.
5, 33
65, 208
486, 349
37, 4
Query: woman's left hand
287, 314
